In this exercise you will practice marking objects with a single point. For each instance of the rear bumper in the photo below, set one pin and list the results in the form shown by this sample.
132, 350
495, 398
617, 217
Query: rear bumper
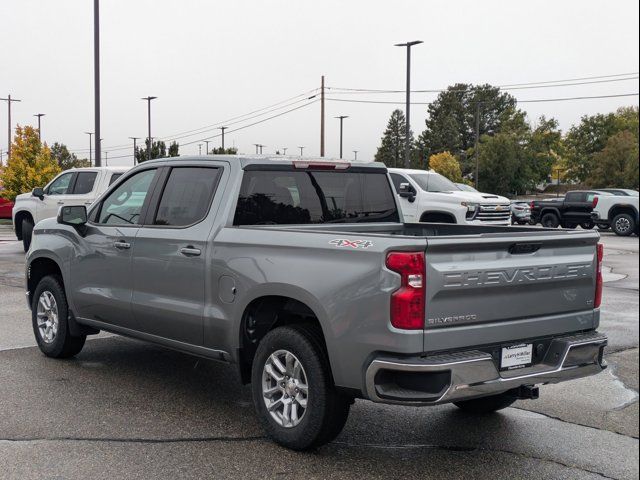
471, 374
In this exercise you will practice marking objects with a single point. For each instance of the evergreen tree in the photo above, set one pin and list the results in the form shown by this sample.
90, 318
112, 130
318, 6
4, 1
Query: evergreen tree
391, 150
66, 159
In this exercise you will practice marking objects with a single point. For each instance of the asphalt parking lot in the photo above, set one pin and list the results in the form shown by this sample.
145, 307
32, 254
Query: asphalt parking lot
125, 409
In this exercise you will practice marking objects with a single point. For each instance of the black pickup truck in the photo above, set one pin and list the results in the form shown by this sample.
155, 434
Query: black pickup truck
569, 212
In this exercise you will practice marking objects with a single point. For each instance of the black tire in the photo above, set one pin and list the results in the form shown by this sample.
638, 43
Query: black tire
63, 344
550, 220
27, 232
623, 225
327, 410
570, 226
603, 226
486, 405
587, 225
532, 222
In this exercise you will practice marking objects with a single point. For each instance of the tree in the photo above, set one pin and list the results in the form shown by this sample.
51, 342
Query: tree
446, 164
173, 149
30, 165
451, 122
158, 150
391, 149
502, 158
545, 149
66, 160
226, 151
616, 165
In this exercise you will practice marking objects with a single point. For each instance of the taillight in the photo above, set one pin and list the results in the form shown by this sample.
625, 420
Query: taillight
407, 303
531, 205
595, 201
598, 296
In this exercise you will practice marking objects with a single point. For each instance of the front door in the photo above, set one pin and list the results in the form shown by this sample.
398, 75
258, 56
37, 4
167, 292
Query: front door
169, 256
102, 275
409, 207
55, 195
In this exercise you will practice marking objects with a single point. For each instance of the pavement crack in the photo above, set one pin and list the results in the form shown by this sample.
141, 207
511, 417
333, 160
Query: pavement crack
474, 449
133, 440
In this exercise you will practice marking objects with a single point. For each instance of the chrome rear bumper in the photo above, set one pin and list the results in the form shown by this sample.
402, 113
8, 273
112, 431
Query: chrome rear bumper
470, 374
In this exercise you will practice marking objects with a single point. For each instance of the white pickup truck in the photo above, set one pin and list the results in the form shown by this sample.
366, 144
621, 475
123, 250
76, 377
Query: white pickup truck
76, 186
427, 196
618, 211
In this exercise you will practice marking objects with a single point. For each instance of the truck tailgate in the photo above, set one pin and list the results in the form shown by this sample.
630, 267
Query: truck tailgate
493, 278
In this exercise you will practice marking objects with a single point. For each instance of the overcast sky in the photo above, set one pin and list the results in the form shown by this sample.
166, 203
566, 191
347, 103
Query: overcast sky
210, 61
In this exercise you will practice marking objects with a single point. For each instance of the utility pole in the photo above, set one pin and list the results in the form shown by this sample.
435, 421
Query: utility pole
477, 144
90, 159
199, 149
322, 116
96, 79
148, 99
261, 147
223, 129
301, 150
39, 115
407, 140
355, 154
106, 159
135, 148
9, 129
284, 150
256, 145
341, 118
206, 148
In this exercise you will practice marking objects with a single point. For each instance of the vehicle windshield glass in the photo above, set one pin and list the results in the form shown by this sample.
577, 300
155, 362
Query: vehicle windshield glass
433, 182
312, 196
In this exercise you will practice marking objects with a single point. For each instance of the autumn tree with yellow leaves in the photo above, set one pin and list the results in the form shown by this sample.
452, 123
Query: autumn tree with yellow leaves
30, 165
446, 164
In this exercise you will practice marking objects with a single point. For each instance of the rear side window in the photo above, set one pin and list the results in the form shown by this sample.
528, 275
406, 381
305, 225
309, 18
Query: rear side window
187, 196
114, 177
575, 197
84, 182
304, 197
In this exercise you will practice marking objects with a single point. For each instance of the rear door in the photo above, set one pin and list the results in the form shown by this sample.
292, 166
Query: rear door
574, 207
170, 253
500, 277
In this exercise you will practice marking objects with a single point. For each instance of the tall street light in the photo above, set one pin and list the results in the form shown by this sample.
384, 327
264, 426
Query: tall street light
39, 115
407, 141
355, 154
206, 148
341, 118
135, 148
301, 150
96, 79
90, 159
148, 100
223, 129
9, 130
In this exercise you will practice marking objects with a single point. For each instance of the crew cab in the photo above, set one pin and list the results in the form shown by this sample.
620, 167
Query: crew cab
76, 186
302, 274
569, 212
620, 212
427, 196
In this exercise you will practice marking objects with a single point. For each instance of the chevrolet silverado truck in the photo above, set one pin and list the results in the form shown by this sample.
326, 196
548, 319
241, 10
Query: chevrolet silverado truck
302, 274
620, 212
573, 210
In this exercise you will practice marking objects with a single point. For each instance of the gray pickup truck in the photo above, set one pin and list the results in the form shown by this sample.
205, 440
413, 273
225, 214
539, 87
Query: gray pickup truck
301, 273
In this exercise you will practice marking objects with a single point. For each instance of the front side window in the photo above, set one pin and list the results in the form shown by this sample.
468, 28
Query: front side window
186, 196
84, 182
434, 182
60, 185
397, 180
124, 205
303, 197
114, 177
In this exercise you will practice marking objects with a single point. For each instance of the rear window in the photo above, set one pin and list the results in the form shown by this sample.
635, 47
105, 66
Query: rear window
312, 196
84, 182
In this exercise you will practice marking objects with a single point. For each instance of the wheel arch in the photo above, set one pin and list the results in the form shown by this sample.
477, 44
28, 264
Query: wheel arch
37, 269
437, 216
17, 221
623, 208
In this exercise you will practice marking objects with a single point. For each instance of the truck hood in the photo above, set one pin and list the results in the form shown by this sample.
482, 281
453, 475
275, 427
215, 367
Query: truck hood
477, 197
23, 196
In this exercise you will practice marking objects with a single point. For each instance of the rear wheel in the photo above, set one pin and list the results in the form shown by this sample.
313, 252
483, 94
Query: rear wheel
550, 220
487, 404
27, 232
293, 392
587, 225
49, 314
623, 224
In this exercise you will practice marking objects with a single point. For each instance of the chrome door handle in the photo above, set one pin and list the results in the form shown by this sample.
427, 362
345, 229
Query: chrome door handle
190, 251
120, 245
60, 202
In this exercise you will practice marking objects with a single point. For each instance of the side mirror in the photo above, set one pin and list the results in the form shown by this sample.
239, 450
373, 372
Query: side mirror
407, 191
38, 192
74, 216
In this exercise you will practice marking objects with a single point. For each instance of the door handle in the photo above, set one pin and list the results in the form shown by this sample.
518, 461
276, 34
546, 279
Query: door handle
121, 245
190, 251
60, 202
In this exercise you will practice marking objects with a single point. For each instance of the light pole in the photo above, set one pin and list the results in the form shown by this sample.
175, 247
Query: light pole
223, 129
9, 129
135, 148
148, 100
96, 79
407, 140
206, 148
257, 145
301, 150
477, 145
90, 159
199, 149
355, 154
341, 118
39, 115
106, 159
284, 150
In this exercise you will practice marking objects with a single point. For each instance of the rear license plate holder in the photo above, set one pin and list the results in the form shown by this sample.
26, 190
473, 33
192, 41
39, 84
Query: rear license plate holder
513, 357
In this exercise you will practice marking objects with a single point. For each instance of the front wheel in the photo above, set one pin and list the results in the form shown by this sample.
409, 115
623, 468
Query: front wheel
49, 314
487, 404
293, 392
27, 232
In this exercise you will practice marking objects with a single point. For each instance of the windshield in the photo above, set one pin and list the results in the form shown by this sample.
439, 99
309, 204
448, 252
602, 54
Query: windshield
465, 188
433, 182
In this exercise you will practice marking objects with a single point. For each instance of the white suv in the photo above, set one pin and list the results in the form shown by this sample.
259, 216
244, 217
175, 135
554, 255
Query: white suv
427, 196
76, 186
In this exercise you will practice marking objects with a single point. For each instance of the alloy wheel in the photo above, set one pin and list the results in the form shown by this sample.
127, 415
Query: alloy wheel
284, 388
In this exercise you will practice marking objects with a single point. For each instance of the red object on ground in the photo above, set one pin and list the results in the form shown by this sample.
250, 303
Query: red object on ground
5, 208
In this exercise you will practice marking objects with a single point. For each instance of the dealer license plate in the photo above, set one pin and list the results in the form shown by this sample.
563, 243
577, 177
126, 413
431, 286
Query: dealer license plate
516, 356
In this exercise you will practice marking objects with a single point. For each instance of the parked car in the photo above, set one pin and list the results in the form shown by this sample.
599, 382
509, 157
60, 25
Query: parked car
623, 192
520, 212
573, 210
76, 186
618, 212
5, 208
427, 196
302, 274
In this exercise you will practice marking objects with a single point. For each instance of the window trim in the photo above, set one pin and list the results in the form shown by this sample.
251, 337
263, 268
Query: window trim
107, 194
163, 179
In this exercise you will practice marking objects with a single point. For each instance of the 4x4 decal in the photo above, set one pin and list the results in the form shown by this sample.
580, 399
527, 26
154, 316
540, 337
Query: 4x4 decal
346, 243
